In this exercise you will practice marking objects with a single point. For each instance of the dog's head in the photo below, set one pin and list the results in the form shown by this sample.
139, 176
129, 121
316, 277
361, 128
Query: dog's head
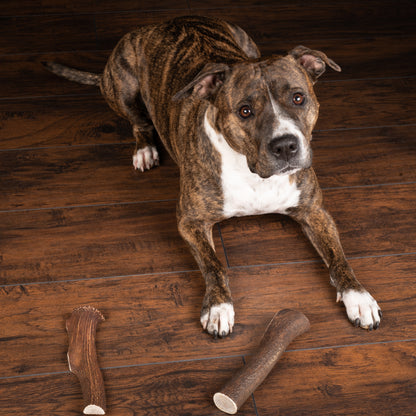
265, 109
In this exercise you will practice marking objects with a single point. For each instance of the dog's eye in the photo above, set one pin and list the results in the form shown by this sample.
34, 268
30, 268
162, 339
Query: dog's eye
245, 111
298, 98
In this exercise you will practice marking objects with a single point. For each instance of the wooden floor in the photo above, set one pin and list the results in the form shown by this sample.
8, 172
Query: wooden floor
79, 226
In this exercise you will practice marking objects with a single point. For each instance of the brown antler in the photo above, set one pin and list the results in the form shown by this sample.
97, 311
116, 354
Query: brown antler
282, 329
82, 357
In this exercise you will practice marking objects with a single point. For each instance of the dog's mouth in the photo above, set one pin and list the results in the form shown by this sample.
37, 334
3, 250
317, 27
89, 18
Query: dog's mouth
285, 170
288, 170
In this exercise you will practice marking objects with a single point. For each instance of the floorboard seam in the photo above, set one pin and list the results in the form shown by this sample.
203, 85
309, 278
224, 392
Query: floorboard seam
120, 367
186, 271
288, 263
109, 204
212, 358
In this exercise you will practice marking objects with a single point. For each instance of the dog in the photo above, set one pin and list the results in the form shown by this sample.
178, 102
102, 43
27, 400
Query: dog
239, 128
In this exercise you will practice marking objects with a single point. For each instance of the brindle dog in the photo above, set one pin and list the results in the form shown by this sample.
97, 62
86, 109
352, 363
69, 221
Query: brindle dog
239, 127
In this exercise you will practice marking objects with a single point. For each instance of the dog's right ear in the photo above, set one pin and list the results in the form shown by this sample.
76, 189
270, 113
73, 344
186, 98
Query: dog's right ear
206, 84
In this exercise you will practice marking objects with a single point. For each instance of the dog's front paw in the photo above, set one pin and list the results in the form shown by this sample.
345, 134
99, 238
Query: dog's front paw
362, 309
146, 158
218, 319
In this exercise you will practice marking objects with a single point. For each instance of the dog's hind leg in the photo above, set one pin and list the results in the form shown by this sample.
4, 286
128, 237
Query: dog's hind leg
120, 87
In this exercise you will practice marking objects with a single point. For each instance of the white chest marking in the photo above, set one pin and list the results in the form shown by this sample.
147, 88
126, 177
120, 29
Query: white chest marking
246, 193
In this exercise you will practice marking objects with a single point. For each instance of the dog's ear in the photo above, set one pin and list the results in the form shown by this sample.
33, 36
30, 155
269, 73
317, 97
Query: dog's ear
313, 61
206, 83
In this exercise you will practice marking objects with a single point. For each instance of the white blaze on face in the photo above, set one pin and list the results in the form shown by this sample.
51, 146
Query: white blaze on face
246, 193
284, 125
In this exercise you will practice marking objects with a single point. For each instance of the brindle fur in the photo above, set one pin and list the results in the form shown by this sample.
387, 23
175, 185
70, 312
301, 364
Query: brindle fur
166, 77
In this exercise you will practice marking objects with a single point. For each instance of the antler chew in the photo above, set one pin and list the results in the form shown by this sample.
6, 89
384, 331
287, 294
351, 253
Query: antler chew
282, 329
82, 357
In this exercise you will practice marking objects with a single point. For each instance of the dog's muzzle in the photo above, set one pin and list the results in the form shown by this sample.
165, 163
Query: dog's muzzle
285, 148
281, 156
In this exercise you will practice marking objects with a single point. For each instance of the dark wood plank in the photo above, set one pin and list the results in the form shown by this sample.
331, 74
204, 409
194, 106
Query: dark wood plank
229, 4
128, 5
115, 240
46, 33
87, 119
24, 75
358, 58
371, 221
171, 389
58, 177
91, 242
155, 318
37, 7
302, 21
365, 156
361, 58
296, 20
63, 121
379, 103
366, 380
335, 386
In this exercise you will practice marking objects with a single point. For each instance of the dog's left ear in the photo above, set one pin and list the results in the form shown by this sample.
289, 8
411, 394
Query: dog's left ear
206, 83
313, 61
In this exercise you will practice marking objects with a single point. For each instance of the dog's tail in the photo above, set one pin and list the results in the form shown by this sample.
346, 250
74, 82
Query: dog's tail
72, 74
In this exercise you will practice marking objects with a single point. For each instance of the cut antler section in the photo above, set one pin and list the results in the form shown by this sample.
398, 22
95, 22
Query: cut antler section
283, 328
82, 357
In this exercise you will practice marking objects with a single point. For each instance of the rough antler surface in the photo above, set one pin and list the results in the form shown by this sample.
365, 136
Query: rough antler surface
282, 329
82, 357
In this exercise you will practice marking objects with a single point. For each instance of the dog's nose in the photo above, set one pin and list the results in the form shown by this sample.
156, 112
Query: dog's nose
284, 147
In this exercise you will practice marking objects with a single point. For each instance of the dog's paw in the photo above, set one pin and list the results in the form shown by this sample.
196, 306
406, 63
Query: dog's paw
218, 319
146, 158
362, 309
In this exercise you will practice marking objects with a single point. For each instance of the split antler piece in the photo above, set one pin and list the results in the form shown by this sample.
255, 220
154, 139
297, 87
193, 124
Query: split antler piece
82, 357
282, 329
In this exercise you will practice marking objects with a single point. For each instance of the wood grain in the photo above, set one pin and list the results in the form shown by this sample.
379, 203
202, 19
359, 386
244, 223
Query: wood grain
364, 156
298, 21
91, 242
82, 176
340, 382
104, 174
126, 239
341, 107
334, 386
23, 75
359, 58
128, 5
171, 389
28, 7
36, 7
28, 34
155, 318
87, 119
63, 121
